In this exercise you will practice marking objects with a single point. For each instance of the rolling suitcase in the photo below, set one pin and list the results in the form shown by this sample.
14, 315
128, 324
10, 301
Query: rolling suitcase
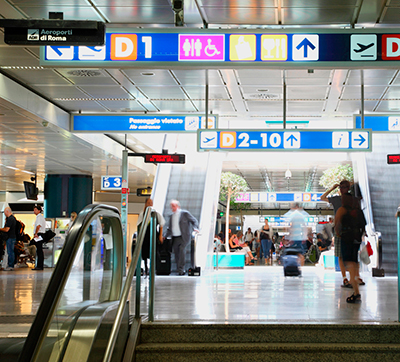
163, 259
291, 266
194, 271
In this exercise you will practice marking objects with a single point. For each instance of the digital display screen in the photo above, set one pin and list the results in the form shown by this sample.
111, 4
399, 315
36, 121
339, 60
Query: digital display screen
164, 158
392, 159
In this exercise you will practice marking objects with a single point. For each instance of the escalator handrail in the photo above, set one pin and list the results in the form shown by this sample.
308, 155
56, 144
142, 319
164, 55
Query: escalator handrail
55, 288
149, 213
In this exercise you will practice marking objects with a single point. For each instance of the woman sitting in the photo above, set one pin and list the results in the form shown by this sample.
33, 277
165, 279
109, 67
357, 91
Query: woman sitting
234, 246
234, 243
249, 254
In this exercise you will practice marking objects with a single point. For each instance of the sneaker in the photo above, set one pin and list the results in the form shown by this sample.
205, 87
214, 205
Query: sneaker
9, 269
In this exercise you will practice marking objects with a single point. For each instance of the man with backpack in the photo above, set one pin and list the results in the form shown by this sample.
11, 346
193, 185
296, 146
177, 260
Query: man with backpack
10, 229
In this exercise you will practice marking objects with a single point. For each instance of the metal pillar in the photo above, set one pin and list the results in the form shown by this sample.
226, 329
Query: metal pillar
124, 198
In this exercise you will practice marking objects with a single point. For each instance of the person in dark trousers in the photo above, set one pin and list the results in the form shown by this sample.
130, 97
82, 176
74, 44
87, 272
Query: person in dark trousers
146, 240
336, 202
350, 226
39, 230
179, 227
9, 228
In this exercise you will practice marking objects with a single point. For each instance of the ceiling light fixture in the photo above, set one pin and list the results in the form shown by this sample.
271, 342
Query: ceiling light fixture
288, 174
147, 74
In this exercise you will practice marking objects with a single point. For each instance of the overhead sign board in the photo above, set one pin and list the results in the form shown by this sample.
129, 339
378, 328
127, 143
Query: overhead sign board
111, 183
144, 191
284, 140
275, 221
164, 158
379, 122
393, 159
143, 123
57, 33
252, 197
220, 47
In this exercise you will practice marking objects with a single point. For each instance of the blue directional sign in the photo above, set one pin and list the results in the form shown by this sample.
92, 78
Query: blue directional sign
111, 183
275, 221
252, 197
142, 123
379, 123
220, 47
284, 140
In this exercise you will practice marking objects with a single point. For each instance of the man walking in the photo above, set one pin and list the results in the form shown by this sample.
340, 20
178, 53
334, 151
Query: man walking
179, 227
9, 228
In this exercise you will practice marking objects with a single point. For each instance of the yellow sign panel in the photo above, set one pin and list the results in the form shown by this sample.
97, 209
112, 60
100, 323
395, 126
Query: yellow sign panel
273, 47
227, 140
242, 47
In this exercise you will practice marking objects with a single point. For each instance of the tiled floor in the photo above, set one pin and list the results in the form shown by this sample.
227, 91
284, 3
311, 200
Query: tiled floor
257, 294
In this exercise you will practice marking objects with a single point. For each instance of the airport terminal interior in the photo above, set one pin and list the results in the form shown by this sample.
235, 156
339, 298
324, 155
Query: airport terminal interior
104, 103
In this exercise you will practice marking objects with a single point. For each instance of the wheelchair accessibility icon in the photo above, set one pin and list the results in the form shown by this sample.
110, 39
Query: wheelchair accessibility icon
210, 49
201, 47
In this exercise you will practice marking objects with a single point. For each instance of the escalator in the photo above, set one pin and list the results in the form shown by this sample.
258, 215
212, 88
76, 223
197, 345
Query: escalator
78, 310
383, 182
196, 186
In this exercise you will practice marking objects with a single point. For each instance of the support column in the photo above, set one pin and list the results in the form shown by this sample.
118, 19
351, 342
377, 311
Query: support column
124, 198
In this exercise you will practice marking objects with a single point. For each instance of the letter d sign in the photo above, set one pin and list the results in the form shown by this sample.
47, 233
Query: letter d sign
227, 140
123, 47
391, 47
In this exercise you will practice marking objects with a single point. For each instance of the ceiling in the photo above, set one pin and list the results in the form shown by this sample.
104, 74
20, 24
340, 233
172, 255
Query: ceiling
243, 98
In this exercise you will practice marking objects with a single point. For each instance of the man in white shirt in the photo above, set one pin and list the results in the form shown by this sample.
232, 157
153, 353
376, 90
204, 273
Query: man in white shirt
39, 230
179, 227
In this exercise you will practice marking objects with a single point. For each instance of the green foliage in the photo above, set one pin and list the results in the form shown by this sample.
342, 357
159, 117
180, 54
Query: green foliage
335, 175
231, 185
239, 206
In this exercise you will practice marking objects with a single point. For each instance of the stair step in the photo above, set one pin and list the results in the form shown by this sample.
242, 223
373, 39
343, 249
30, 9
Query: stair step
269, 333
296, 352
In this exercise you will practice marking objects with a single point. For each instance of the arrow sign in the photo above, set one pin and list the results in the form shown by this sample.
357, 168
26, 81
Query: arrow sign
306, 43
59, 52
361, 140
305, 47
291, 139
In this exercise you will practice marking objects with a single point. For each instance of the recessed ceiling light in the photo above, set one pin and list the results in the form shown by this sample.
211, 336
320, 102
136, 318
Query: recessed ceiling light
147, 74
262, 90
140, 147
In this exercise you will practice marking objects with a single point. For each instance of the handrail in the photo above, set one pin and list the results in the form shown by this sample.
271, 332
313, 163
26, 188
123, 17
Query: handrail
366, 197
398, 263
47, 308
149, 213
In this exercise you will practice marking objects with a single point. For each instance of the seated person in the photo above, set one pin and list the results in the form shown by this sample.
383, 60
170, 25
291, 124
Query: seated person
323, 245
240, 238
29, 252
310, 239
234, 243
249, 254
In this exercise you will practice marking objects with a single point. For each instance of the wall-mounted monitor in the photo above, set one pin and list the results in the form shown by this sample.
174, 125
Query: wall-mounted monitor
31, 190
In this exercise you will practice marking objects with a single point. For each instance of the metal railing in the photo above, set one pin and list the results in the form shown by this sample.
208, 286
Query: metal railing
57, 283
150, 215
398, 263
374, 236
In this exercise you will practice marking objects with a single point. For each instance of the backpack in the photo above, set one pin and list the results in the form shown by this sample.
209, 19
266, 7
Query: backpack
353, 225
19, 230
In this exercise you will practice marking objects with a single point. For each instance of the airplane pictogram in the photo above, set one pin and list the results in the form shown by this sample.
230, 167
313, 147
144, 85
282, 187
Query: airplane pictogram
363, 47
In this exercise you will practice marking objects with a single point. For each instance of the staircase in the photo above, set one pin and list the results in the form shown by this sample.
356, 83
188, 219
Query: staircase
268, 342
